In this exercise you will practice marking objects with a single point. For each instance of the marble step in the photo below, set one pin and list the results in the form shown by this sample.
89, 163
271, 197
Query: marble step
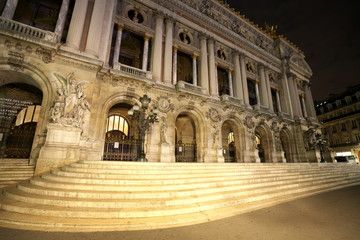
151, 192
35, 222
165, 210
161, 185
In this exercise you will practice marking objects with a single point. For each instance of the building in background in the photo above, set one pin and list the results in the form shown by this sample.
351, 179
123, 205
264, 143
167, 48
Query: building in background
340, 118
225, 89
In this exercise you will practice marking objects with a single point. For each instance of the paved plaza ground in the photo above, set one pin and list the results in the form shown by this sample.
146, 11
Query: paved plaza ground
332, 215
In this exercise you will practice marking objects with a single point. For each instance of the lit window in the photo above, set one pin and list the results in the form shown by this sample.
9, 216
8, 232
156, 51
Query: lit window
28, 114
231, 137
116, 122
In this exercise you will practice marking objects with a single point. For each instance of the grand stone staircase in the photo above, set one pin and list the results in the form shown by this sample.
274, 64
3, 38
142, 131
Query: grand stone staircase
13, 171
107, 196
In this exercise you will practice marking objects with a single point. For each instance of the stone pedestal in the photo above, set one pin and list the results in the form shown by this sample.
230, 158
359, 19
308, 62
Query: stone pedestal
165, 154
61, 147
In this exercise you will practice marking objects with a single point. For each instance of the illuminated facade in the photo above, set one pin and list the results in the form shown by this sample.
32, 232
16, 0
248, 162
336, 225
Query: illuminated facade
225, 89
340, 118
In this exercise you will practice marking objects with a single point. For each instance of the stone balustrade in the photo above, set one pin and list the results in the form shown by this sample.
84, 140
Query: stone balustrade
16, 27
132, 70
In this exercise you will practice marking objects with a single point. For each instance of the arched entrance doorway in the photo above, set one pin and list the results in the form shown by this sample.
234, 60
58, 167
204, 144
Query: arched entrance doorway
286, 146
19, 113
121, 142
185, 139
263, 144
230, 142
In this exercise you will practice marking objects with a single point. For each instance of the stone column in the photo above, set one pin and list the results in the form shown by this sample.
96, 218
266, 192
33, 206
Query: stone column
168, 50
204, 69
285, 92
194, 65
174, 67
59, 29
244, 79
212, 69
231, 90
294, 95
309, 102
145, 52
96, 24
264, 99
268, 87
238, 87
157, 47
9, 9
77, 24
118, 43
257, 93
278, 101
304, 112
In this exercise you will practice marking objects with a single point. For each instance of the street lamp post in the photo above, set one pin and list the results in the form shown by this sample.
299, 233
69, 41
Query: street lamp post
144, 120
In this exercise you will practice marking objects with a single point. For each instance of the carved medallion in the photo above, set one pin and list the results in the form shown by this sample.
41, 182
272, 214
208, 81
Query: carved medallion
214, 115
164, 104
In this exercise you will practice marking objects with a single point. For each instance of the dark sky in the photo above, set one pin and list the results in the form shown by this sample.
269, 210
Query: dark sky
327, 31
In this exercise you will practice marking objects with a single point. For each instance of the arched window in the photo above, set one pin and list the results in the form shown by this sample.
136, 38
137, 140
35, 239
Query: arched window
117, 122
231, 137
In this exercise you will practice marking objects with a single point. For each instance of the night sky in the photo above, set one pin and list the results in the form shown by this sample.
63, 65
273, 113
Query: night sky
327, 31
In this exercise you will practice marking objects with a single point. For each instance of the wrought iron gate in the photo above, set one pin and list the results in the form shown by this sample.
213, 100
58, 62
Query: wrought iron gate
185, 152
119, 148
229, 153
20, 140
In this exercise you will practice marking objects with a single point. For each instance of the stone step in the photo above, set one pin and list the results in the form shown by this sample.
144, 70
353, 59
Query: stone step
161, 185
151, 192
115, 211
133, 195
188, 171
35, 222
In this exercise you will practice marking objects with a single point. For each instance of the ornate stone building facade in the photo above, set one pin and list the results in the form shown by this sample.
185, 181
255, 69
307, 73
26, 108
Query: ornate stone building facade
225, 90
340, 119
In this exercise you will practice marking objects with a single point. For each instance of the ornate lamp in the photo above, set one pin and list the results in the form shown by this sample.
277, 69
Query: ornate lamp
144, 119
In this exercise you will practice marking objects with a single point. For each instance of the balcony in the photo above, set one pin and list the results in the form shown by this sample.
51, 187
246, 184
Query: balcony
20, 30
128, 70
187, 87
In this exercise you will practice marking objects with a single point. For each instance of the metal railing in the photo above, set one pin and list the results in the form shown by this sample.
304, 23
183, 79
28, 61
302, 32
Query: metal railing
229, 153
